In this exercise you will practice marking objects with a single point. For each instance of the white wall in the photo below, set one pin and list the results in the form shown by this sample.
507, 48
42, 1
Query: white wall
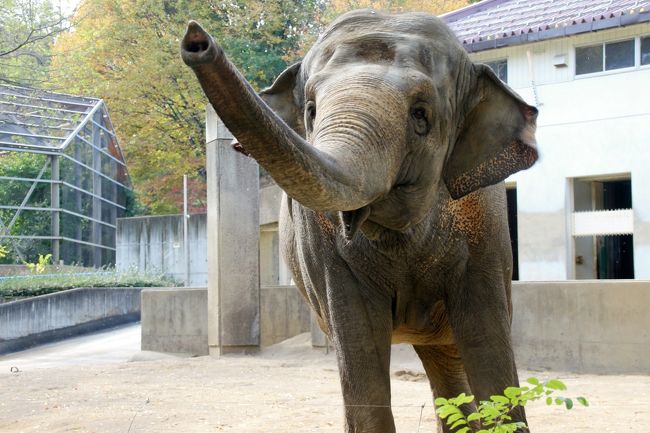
155, 244
587, 126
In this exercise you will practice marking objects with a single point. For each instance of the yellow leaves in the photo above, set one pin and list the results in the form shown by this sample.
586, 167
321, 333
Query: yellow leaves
126, 52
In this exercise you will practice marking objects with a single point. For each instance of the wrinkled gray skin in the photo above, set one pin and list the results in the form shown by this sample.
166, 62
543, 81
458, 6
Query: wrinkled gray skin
391, 146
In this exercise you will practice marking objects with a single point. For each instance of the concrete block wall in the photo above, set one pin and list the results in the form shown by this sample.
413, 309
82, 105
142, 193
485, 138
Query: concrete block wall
46, 318
283, 314
582, 326
600, 327
587, 326
155, 243
175, 320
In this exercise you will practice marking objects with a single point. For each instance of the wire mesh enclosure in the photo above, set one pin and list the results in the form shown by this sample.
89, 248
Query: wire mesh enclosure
63, 179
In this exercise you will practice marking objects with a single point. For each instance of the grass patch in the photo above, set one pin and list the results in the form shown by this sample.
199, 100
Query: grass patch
22, 286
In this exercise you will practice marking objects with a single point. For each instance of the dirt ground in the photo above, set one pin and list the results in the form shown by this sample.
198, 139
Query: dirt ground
287, 388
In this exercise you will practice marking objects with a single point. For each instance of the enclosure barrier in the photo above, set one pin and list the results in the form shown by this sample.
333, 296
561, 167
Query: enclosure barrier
580, 326
43, 319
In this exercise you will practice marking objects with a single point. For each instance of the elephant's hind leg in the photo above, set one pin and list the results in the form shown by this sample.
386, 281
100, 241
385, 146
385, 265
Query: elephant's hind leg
446, 375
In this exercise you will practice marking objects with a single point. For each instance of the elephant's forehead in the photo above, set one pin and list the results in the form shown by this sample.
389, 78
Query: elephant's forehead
395, 48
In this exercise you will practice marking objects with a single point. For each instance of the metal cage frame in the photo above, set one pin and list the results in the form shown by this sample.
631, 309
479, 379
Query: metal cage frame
88, 178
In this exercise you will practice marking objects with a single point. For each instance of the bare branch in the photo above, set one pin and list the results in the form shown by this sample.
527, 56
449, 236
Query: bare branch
38, 32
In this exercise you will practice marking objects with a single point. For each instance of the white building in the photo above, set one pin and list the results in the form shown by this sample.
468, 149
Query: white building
583, 211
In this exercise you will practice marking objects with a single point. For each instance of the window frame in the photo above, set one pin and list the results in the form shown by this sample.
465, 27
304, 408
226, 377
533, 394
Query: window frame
498, 60
637, 57
638, 51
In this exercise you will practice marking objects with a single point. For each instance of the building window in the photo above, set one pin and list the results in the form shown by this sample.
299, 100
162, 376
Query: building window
619, 55
603, 229
608, 56
589, 59
500, 68
645, 51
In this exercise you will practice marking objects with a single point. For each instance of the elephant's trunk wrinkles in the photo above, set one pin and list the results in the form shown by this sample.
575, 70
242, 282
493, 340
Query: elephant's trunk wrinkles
315, 177
357, 125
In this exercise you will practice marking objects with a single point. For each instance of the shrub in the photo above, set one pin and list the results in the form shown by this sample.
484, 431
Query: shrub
492, 416
35, 284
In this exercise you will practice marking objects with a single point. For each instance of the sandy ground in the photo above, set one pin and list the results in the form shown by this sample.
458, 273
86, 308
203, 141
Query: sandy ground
104, 384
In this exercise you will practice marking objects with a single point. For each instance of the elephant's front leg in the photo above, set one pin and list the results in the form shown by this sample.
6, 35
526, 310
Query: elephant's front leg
360, 325
480, 315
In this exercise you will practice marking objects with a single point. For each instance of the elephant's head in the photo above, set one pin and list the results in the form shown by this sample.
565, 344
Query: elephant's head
381, 116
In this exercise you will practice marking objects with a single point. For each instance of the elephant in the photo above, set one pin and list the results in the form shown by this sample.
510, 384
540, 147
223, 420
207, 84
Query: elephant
391, 147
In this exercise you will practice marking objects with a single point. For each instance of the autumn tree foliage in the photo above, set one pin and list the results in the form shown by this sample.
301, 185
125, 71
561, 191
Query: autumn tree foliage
127, 53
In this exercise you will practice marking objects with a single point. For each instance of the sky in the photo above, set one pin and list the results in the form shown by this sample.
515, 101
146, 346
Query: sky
67, 6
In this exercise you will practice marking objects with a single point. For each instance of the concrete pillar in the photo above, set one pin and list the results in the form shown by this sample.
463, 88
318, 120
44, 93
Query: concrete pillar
233, 244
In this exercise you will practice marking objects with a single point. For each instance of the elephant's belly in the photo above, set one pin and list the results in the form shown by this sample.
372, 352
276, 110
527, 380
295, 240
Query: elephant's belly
429, 327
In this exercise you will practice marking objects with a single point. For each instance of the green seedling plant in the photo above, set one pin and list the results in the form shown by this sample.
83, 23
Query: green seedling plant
493, 416
3, 252
39, 267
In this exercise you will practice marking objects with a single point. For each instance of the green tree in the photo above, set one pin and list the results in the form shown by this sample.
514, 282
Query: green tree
27, 222
27, 30
127, 52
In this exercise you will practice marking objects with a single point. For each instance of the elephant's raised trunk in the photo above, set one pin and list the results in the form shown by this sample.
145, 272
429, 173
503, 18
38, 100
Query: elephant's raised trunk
316, 178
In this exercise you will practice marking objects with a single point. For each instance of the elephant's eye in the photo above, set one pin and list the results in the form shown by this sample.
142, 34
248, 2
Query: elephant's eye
419, 113
420, 120
311, 110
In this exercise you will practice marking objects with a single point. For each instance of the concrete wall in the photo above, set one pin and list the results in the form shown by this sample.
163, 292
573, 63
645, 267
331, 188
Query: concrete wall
270, 197
283, 314
175, 320
42, 319
155, 244
583, 326
596, 125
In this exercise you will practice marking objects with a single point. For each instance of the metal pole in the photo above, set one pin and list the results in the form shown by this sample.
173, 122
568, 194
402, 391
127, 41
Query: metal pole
96, 229
55, 204
186, 240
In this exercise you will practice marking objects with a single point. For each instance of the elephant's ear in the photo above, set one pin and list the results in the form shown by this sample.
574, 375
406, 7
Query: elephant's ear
280, 97
497, 138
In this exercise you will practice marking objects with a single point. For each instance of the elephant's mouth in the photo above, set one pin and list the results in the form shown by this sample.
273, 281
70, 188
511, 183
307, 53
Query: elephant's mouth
378, 217
352, 220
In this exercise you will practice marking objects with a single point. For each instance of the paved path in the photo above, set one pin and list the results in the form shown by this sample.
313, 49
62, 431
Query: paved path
113, 345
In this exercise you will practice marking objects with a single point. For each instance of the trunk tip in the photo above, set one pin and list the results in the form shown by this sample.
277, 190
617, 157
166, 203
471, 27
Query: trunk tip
194, 27
197, 46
